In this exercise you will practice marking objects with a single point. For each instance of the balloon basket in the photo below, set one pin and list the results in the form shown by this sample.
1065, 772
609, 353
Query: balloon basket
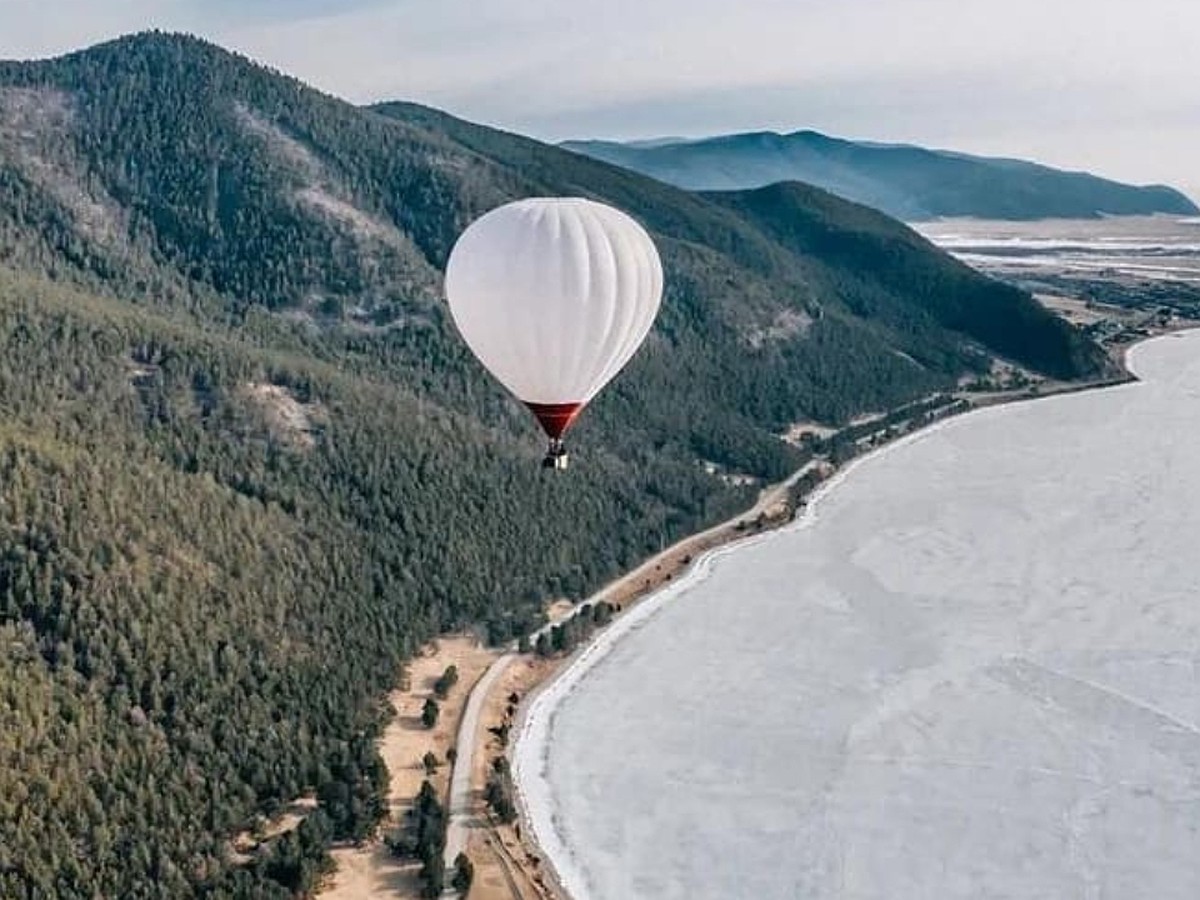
556, 456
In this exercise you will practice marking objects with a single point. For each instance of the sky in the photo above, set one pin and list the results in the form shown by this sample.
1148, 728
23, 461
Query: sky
1107, 86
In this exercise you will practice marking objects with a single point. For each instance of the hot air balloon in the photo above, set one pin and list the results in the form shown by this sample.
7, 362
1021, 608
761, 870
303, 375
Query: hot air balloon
554, 296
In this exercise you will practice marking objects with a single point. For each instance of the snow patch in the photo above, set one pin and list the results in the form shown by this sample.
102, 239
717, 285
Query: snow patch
317, 190
35, 138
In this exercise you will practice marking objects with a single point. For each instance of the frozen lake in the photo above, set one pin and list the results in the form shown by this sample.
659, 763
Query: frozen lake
973, 672
1156, 248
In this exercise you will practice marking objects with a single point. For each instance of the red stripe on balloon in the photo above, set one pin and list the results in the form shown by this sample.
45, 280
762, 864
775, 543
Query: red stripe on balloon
555, 418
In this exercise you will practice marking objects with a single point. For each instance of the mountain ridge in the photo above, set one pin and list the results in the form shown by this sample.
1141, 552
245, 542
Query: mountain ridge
905, 180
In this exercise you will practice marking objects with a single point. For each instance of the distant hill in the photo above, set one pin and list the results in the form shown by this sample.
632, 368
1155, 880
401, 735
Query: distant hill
910, 183
248, 465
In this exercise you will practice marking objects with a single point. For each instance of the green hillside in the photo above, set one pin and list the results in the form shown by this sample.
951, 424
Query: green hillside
248, 466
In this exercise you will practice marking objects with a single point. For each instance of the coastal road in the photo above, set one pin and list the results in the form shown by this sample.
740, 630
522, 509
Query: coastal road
459, 803
768, 498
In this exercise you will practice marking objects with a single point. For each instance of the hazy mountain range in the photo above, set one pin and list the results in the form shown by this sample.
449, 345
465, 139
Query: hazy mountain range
910, 183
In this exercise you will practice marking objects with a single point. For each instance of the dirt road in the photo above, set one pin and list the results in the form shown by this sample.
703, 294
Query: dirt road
459, 802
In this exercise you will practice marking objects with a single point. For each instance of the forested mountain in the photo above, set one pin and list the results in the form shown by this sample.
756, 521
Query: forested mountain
248, 467
910, 183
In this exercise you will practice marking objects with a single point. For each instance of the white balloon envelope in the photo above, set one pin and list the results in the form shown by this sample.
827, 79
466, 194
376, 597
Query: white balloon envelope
554, 296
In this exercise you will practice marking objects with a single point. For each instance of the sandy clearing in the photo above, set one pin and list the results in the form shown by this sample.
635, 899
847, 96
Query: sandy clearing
245, 844
286, 417
797, 431
559, 610
503, 870
370, 870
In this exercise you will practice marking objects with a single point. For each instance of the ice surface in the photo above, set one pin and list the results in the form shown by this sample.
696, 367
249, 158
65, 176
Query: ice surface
972, 672
1143, 247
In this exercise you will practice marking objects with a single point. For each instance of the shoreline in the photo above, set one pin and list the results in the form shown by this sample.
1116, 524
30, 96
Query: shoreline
538, 709
537, 713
